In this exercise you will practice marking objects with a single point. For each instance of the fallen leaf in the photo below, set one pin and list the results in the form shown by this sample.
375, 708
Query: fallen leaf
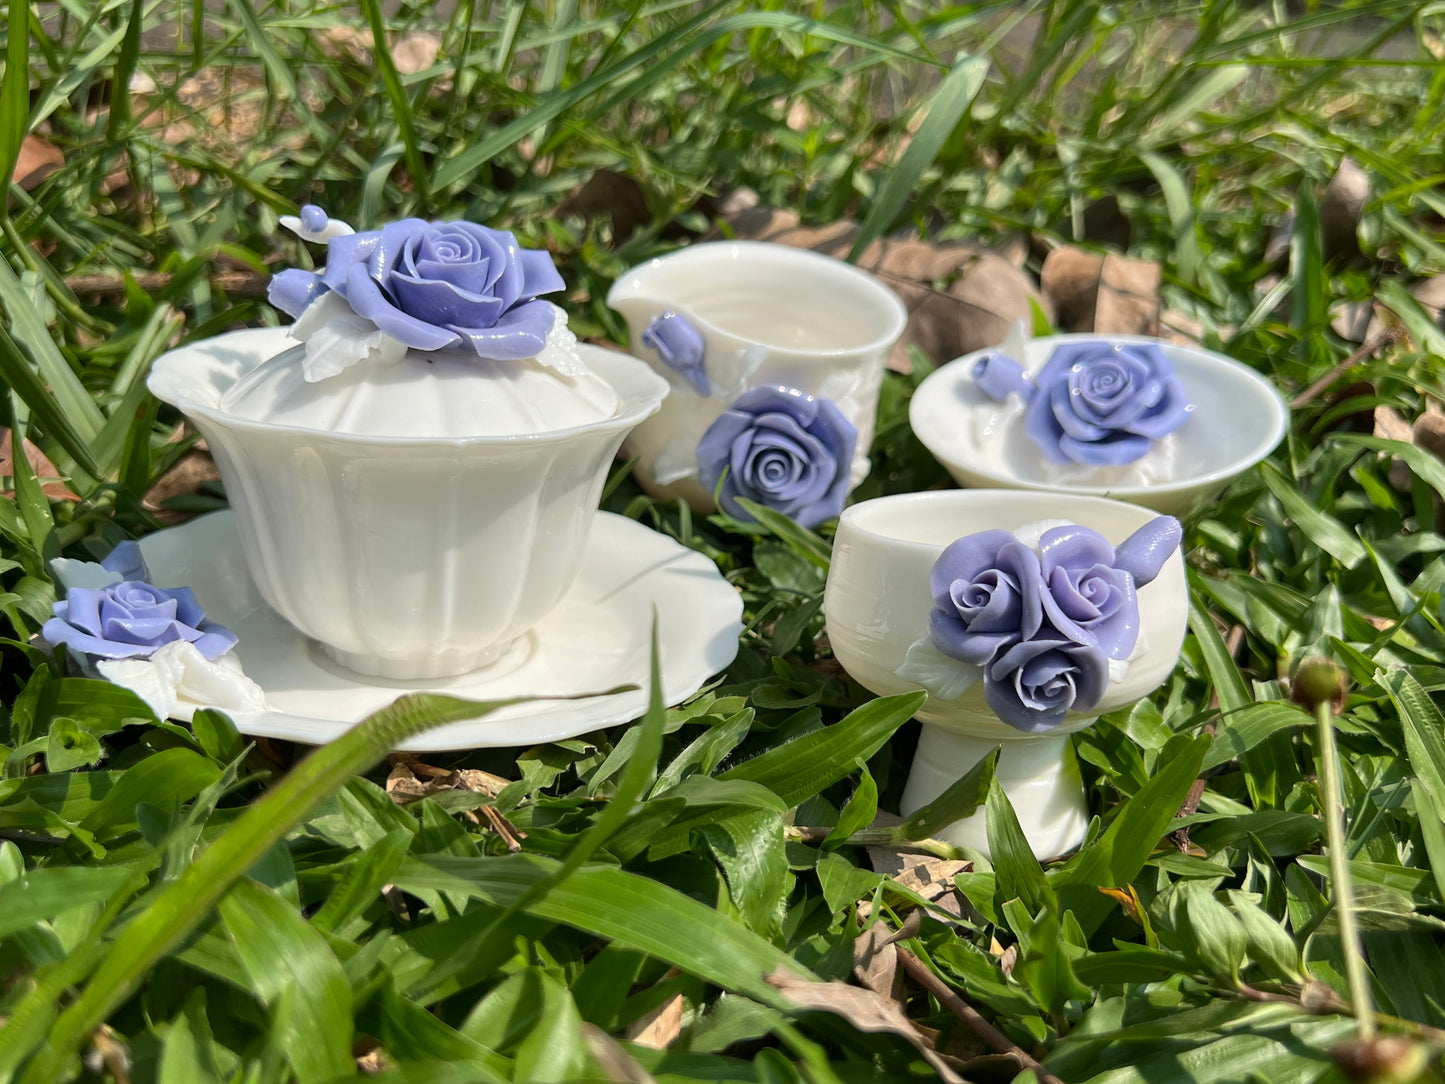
45, 471
612, 1057
875, 959
1007, 959
186, 477
613, 195
415, 52
1105, 293
1340, 208
659, 1027
864, 1009
39, 158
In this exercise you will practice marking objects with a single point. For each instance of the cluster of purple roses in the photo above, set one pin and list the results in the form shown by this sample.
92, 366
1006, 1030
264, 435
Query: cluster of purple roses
1043, 623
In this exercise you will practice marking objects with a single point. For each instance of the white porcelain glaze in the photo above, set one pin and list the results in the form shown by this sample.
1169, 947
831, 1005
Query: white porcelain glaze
1237, 420
877, 604
769, 315
405, 558
597, 637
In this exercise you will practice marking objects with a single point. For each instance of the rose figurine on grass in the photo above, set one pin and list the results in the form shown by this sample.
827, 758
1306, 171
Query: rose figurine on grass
156, 641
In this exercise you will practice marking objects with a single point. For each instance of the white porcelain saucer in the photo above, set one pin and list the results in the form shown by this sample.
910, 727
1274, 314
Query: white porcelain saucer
597, 638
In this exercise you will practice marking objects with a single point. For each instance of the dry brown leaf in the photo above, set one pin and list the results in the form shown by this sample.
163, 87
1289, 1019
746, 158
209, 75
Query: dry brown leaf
1105, 293
613, 1058
1007, 959
192, 471
1126, 899
613, 195
864, 1009
415, 52
659, 1027
45, 471
875, 960
1340, 208
39, 158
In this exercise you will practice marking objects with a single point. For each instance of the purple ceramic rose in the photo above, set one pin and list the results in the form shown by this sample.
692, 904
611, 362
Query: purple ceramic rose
782, 449
1095, 403
132, 619
1044, 622
434, 286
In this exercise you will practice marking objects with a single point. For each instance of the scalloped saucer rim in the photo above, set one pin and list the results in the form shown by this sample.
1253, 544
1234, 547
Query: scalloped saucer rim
598, 637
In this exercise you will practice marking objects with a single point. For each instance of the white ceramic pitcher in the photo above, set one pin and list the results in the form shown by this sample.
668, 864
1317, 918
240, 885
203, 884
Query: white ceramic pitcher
720, 318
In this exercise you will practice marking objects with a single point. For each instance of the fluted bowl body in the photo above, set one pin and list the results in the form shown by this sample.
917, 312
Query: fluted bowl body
404, 558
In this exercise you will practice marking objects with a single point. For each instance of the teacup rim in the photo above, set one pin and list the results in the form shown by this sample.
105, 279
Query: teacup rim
705, 250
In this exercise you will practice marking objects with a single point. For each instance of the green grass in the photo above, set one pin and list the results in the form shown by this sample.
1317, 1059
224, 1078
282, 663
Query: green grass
1220, 960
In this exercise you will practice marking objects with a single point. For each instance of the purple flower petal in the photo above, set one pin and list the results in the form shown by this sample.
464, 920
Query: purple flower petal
519, 333
434, 301
293, 290
368, 302
1117, 450
127, 561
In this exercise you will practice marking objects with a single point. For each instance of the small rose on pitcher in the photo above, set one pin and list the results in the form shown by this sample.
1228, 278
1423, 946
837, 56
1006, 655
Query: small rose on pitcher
782, 449
1045, 624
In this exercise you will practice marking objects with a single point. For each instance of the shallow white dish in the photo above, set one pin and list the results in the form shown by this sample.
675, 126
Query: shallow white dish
1237, 420
598, 637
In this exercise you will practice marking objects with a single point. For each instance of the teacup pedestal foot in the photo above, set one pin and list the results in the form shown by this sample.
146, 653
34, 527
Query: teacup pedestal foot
1039, 774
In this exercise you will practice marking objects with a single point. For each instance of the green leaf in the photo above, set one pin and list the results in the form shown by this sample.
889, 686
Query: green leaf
1018, 873
1224, 675
1326, 532
191, 1054
803, 542
43, 894
960, 800
1241, 730
1270, 944
67, 746
554, 1050
749, 848
15, 91
862, 807
218, 735
366, 875
183, 904
632, 910
1217, 936
296, 975
1424, 729
945, 109
803, 767
1116, 857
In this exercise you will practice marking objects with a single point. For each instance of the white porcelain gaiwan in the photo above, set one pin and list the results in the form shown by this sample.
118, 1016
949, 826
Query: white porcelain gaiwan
1236, 418
722, 319
415, 483
879, 604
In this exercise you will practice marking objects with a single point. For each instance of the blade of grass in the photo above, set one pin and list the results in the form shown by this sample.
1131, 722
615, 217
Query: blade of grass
945, 110
401, 110
15, 91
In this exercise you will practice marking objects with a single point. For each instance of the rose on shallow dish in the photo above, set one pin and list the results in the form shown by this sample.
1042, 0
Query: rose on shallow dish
117, 625
1024, 616
1146, 421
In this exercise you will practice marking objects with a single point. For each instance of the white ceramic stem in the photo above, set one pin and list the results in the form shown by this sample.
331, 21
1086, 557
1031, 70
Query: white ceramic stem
1038, 773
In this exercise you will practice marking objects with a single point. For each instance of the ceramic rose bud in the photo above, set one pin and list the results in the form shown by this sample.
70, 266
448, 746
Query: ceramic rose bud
781, 449
1023, 616
153, 640
733, 325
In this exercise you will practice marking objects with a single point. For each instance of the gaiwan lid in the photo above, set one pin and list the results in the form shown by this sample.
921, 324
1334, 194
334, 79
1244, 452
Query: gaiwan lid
424, 330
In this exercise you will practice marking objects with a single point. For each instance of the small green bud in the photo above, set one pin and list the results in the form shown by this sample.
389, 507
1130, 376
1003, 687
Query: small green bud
1320, 680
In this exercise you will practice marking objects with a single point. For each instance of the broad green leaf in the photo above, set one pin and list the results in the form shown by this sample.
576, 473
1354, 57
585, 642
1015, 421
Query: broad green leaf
749, 848
1018, 873
1326, 532
1241, 730
190, 1053
1116, 858
960, 800
626, 908
1224, 675
164, 779
1424, 729
296, 975
1216, 935
554, 1049
42, 894
862, 807
1270, 944
803, 767
365, 876
67, 746
706, 751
